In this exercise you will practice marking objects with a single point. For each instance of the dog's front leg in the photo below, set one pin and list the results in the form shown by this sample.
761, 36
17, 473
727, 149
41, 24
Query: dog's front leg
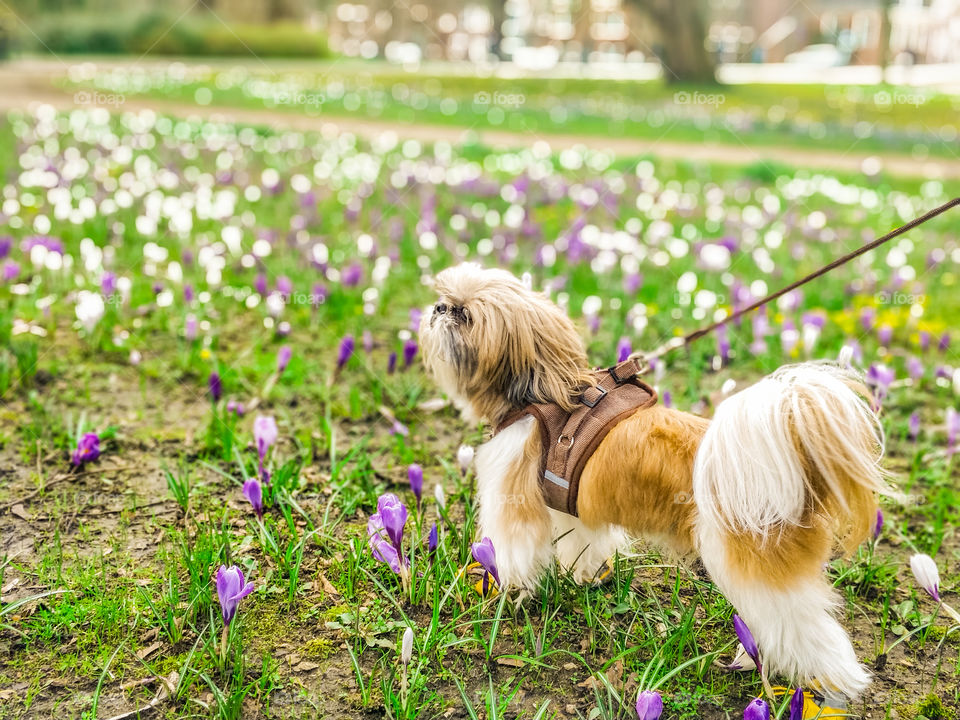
512, 512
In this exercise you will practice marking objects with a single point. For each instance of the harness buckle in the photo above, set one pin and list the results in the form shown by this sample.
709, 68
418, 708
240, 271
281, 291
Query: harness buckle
588, 403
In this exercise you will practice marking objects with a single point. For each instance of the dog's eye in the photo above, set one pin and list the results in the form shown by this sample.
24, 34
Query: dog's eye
440, 308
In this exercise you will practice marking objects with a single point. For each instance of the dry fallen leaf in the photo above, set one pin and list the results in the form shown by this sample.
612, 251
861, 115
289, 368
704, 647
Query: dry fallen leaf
509, 662
20, 511
146, 652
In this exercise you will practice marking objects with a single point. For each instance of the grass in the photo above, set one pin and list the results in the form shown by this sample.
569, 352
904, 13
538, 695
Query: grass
880, 119
130, 543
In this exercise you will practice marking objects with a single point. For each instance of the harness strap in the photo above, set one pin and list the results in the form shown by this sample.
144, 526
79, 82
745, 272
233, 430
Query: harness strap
570, 438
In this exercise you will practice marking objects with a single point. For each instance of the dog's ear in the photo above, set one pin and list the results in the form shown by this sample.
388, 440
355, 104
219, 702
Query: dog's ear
532, 351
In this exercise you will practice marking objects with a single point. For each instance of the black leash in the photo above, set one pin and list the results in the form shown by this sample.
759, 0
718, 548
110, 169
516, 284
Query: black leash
684, 340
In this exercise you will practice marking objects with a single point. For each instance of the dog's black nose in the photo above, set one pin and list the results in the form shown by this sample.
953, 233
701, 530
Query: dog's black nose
441, 308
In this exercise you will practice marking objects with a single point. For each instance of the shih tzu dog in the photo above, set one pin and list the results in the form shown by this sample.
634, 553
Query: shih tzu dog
786, 471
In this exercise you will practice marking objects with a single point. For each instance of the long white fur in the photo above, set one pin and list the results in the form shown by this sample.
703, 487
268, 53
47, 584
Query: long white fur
583, 551
748, 477
523, 550
747, 474
796, 630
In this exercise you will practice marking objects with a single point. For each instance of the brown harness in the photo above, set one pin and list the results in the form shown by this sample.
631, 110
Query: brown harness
570, 438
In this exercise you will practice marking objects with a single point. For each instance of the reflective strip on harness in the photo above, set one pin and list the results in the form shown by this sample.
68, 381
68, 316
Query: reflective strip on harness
570, 438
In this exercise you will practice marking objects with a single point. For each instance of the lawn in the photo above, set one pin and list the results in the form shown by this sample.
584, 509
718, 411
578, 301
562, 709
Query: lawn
883, 119
156, 269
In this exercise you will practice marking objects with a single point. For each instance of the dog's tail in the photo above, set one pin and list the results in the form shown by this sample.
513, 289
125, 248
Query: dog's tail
786, 468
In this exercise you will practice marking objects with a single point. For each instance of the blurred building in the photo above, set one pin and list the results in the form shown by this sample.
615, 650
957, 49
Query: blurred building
536, 32
834, 32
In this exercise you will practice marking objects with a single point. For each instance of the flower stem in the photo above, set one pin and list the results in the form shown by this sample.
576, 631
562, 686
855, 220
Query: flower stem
223, 644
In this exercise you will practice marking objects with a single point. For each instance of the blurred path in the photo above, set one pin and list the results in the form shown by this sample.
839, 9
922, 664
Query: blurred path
24, 83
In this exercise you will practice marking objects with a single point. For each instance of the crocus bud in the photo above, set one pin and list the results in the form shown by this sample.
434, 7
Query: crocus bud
406, 647
746, 639
914, 426
796, 704
878, 524
409, 352
253, 492
216, 386
433, 539
415, 475
393, 513
757, 710
465, 458
484, 553
345, 352
926, 573
440, 497
649, 705
283, 358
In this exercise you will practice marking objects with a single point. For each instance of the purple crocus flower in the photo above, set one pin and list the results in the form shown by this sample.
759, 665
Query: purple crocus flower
11, 271
913, 427
88, 449
757, 710
884, 335
367, 342
879, 377
235, 406
260, 284
484, 553
380, 545
746, 639
944, 343
624, 348
188, 293
284, 286
393, 515
6, 243
415, 474
283, 358
914, 368
352, 275
253, 492
667, 399
345, 352
649, 705
924, 340
878, 525
231, 589
416, 315
108, 284
433, 539
409, 352
265, 434
796, 704
868, 316
190, 328
216, 386
391, 363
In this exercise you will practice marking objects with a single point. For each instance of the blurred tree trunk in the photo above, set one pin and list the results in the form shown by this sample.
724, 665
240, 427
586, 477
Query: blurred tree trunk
683, 36
884, 44
498, 14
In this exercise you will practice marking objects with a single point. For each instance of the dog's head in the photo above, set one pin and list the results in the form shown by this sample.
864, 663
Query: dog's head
493, 344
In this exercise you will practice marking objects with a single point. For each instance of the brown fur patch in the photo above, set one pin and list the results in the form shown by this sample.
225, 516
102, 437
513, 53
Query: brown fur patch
641, 477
